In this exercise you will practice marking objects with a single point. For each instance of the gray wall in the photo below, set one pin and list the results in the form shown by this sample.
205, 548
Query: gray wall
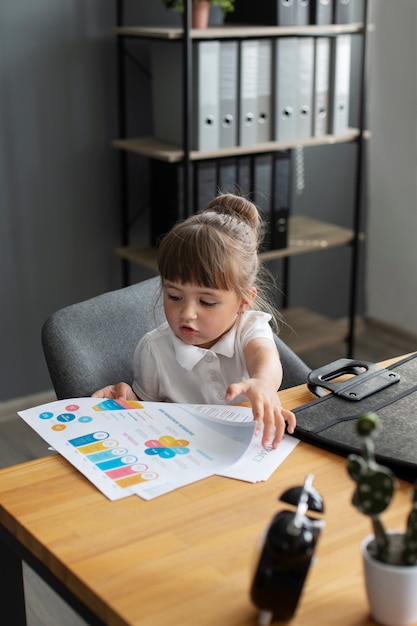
392, 249
58, 202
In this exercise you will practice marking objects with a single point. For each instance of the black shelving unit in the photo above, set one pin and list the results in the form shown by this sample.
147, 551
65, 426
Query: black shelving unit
305, 234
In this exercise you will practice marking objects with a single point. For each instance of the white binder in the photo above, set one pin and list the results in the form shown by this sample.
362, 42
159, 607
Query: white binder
322, 12
341, 84
343, 11
302, 12
321, 113
286, 99
167, 93
264, 124
248, 92
228, 93
305, 81
206, 109
285, 12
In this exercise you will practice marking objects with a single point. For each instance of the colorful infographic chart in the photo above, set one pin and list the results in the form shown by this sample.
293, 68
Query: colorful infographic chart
127, 447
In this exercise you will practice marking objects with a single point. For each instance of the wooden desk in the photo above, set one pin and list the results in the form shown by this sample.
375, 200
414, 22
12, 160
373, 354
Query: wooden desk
186, 557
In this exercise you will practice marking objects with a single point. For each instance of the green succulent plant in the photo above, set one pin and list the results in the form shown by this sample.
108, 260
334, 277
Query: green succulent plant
227, 6
373, 494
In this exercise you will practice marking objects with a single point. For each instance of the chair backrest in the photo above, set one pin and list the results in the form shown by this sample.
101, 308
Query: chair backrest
90, 344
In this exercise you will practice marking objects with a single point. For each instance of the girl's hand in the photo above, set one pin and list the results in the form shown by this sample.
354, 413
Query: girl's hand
266, 408
121, 391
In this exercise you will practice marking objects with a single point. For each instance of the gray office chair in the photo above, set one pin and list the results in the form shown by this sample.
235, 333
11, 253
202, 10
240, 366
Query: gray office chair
90, 344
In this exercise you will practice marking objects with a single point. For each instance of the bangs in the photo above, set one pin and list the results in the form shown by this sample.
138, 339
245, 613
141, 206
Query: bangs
197, 259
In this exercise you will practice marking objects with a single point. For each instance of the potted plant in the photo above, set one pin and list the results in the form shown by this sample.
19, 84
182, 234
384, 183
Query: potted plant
200, 9
390, 558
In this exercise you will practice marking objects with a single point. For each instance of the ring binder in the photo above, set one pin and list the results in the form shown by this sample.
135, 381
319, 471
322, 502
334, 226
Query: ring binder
228, 93
264, 126
248, 92
305, 87
294, 70
282, 200
206, 70
343, 11
322, 12
286, 101
321, 86
340, 90
303, 12
167, 71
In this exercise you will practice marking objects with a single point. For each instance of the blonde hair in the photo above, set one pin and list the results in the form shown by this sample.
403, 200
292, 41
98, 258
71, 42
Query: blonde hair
218, 249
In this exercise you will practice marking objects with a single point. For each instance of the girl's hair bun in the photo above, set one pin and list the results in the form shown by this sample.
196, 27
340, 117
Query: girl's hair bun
238, 205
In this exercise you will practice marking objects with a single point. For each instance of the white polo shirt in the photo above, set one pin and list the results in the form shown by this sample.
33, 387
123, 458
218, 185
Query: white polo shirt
166, 369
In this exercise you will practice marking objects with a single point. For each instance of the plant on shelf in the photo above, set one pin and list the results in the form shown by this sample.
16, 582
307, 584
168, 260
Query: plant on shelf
227, 6
373, 494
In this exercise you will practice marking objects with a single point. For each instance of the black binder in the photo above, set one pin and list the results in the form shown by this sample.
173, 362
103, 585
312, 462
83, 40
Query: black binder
166, 197
262, 196
205, 183
281, 200
329, 421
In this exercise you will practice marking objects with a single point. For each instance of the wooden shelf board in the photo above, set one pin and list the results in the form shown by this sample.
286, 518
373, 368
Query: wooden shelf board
306, 330
164, 151
145, 256
150, 147
305, 234
243, 31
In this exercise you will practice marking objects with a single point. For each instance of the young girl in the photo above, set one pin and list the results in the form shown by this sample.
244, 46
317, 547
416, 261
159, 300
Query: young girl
216, 346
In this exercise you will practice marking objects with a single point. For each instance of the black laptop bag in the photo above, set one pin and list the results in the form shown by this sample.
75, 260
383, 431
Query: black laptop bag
329, 421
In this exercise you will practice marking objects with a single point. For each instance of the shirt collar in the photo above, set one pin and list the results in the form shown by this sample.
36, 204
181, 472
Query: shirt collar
188, 356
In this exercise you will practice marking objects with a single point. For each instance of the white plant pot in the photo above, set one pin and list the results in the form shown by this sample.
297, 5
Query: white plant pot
391, 590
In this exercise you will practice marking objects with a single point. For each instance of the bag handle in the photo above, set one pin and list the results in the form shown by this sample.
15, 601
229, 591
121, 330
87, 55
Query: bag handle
364, 379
